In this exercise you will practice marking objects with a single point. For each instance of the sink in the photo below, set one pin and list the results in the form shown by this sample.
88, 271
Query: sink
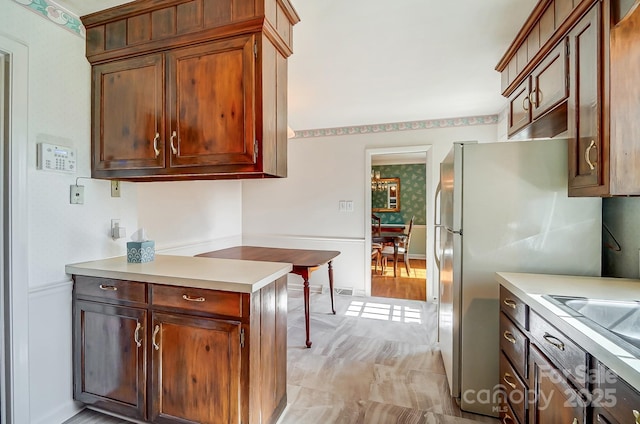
620, 319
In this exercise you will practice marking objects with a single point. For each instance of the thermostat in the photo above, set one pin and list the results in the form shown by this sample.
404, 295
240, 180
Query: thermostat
56, 158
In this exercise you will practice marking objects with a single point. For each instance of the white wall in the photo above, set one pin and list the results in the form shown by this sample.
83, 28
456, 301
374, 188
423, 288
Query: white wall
177, 215
303, 208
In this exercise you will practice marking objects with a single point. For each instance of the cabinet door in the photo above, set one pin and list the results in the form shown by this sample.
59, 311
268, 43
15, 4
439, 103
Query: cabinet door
549, 82
195, 369
586, 153
211, 99
554, 400
109, 357
520, 107
128, 115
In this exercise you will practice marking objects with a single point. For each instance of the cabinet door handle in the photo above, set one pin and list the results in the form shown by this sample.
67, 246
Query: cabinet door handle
136, 335
112, 288
636, 415
155, 144
507, 419
156, 346
510, 303
173, 148
575, 421
509, 336
192, 299
506, 378
554, 341
534, 101
524, 101
587, 155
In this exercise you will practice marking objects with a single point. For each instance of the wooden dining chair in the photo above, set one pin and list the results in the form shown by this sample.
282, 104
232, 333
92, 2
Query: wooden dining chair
403, 251
376, 248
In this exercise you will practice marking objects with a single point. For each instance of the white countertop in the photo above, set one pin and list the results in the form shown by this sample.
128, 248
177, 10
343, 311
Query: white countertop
209, 273
531, 287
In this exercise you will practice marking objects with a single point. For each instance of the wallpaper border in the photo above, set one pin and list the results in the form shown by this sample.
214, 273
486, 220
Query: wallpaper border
56, 14
400, 126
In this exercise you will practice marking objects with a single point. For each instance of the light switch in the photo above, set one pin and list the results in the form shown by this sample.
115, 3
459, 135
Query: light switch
342, 206
349, 205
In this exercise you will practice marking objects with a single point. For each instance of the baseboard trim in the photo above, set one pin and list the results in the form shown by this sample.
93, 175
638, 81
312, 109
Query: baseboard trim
60, 414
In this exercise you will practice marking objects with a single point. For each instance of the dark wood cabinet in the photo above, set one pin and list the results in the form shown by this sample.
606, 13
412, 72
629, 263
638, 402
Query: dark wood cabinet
110, 357
184, 90
173, 354
613, 399
554, 400
588, 156
195, 369
520, 107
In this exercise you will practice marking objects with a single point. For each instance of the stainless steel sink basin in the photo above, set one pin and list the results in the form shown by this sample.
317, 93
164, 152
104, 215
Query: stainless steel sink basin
620, 318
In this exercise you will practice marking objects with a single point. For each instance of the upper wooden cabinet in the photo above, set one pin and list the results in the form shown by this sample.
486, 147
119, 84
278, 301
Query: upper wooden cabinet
190, 89
588, 52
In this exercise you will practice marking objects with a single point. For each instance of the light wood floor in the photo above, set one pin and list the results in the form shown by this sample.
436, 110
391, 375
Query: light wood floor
413, 287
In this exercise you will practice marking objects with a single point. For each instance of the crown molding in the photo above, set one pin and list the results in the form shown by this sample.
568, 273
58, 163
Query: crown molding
399, 126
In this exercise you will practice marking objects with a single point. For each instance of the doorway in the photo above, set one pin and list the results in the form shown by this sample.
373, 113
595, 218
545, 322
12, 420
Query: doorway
413, 165
14, 296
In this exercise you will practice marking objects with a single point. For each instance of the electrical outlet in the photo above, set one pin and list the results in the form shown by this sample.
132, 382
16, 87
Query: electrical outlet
76, 195
115, 188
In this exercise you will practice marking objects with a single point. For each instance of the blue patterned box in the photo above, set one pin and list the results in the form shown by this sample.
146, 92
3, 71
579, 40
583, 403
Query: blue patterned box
141, 251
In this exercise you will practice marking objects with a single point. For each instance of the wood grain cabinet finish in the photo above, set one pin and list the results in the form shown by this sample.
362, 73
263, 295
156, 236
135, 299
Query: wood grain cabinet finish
190, 89
216, 358
598, 106
554, 400
613, 399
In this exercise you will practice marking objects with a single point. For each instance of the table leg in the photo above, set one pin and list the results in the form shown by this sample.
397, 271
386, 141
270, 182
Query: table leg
333, 309
305, 276
395, 258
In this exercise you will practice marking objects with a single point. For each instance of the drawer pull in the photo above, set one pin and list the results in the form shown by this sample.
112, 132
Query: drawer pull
509, 336
554, 341
136, 335
507, 419
192, 299
112, 288
156, 346
510, 303
506, 378
636, 415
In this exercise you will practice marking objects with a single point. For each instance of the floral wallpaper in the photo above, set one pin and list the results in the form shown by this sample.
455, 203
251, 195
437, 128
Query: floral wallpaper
413, 183
56, 14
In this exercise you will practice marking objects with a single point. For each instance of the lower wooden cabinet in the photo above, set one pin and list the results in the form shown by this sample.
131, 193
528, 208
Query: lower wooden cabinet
172, 360
613, 399
554, 400
110, 357
195, 369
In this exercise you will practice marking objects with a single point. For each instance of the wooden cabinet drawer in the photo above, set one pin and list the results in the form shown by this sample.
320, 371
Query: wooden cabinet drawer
567, 355
514, 389
614, 395
514, 344
202, 300
110, 291
515, 308
507, 415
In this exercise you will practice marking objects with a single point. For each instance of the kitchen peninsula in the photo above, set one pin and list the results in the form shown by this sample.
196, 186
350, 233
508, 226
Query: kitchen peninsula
181, 339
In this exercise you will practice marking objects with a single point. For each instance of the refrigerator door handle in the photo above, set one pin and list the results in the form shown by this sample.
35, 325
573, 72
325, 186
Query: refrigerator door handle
437, 225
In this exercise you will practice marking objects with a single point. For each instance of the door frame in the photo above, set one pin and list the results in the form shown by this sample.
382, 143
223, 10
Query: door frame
15, 337
429, 193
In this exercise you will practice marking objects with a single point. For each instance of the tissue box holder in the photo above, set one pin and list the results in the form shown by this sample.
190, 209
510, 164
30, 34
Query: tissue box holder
141, 251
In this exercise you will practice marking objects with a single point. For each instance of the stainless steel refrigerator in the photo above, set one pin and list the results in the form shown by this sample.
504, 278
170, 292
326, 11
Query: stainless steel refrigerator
503, 207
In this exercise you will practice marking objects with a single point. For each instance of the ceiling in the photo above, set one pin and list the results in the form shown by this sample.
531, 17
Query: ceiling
361, 62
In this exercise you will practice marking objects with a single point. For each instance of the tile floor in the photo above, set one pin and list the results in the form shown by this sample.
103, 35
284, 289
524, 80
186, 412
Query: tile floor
374, 362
